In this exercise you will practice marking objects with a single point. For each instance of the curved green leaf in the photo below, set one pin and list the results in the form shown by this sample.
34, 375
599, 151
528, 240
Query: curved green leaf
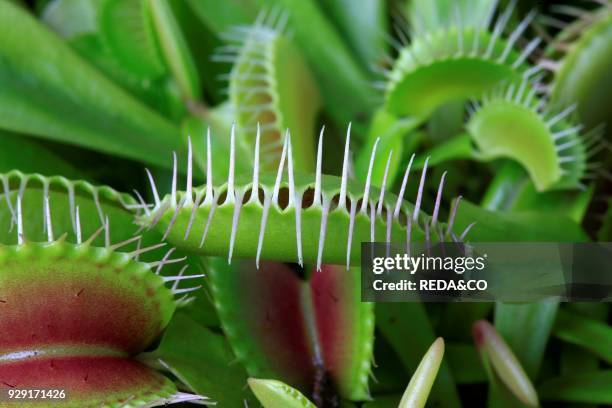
174, 49
590, 388
126, 29
49, 91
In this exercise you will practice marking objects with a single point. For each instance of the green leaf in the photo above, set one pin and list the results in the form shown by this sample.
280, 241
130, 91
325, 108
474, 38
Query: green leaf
464, 363
232, 13
49, 91
407, 328
593, 335
126, 29
362, 26
456, 148
426, 15
348, 96
276, 394
65, 195
528, 226
418, 389
21, 153
501, 364
589, 388
160, 94
385, 401
203, 42
526, 328
513, 191
583, 74
174, 49
203, 361
71, 18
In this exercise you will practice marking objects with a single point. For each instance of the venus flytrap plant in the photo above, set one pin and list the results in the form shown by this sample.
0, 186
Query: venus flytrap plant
289, 220
267, 68
312, 357
278, 239
456, 62
73, 313
447, 65
511, 120
311, 331
580, 70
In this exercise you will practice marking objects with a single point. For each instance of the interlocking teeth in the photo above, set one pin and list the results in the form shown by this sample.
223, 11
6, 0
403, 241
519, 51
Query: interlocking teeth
75, 214
235, 196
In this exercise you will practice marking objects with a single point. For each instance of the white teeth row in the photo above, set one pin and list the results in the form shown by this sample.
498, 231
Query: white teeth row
592, 140
17, 218
497, 30
234, 196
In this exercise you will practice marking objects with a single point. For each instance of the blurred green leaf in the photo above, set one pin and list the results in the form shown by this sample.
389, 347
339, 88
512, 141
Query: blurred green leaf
457, 148
126, 29
464, 363
407, 328
174, 49
161, 94
347, 97
203, 43
70, 18
588, 333
512, 190
49, 91
232, 13
19, 152
203, 360
427, 15
526, 328
532, 226
417, 391
590, 387
362, 26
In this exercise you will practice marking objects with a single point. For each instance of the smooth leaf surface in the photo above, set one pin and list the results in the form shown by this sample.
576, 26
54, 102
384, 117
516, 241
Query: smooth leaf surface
203, 361
591, 387
49, 91
175, 49
20, 152
529, 226
407, 328
595, 336
526, 328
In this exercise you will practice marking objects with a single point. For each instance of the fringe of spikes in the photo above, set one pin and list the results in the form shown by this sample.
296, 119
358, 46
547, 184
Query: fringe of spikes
235, 196
157, 266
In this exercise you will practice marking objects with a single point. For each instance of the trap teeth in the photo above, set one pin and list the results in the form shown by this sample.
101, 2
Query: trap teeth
290, 218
